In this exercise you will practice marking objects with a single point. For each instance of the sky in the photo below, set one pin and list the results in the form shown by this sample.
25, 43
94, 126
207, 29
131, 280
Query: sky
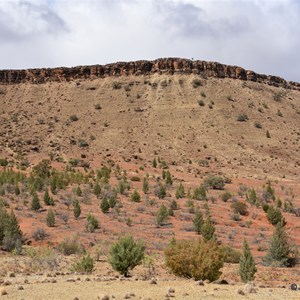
258, 35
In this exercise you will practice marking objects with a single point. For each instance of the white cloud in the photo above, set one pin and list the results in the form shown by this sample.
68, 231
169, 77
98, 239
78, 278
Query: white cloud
258, 34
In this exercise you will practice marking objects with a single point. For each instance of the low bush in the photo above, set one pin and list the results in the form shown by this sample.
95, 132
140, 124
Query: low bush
70, 246
240, 208
194, 259
230, 255
85, 265
214, 182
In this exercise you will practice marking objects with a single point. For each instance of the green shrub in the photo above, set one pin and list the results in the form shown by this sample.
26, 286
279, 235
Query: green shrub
10, 232
42, 169
3, 162
116, 85
247, 268
257, 125
104, 205
76, 209
230, 255
85, 265
126, 254
242, 118
240, 208
50, 219
214, 182
226, 196
194, 259
196, 83
160, 192
180, 193
274, 216
135, 197
199, 193
162, 215
35, 202
279, 252
92, 223
70, 246
208, 230
174, 205
201, 102
135, 178
73, 118
82, 143
145, 185
198, 222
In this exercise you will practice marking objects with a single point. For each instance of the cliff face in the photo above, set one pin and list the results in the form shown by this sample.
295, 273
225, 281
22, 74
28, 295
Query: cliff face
142, 67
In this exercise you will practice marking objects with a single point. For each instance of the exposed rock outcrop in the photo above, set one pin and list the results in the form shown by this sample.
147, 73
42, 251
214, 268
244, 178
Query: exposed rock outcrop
142, 67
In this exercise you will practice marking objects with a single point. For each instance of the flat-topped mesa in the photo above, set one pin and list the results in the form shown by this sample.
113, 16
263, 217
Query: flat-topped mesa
141, 67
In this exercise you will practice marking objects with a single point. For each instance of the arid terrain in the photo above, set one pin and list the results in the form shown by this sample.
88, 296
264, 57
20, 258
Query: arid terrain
195, 120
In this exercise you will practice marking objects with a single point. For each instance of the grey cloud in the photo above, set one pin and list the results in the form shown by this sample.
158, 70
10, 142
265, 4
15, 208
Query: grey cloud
22, 20
190, 20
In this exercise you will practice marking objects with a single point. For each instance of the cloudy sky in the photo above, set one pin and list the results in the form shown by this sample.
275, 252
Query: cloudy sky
261, 35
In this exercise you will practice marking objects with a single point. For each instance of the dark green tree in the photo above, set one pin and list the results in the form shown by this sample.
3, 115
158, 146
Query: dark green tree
135, 197
208, 230
78, 191
198, 221
47, 198
162, 215
76, 208
199, 193
97, 189
154, 163
145, 185
169, 179
279, 248
126, 254
50, 219
180, 193
35, 202
104, 205
247, 268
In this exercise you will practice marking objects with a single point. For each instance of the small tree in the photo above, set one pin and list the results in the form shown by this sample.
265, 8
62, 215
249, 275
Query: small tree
50, 219
198, 221
104, 205
35, 203
126, 254
275, 216
160, 192
208, 230
135, 197
92, 223
78, 191
162, 215
97, 189
47, 198
145, 185
76, 209
154, 163
85, 264
199, 193
247, 264
180, 193
169, 179
279, 248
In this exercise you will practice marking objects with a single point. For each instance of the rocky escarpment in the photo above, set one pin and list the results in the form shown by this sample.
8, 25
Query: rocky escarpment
142, 67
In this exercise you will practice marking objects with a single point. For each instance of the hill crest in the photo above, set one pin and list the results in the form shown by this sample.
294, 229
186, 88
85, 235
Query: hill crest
168, 66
